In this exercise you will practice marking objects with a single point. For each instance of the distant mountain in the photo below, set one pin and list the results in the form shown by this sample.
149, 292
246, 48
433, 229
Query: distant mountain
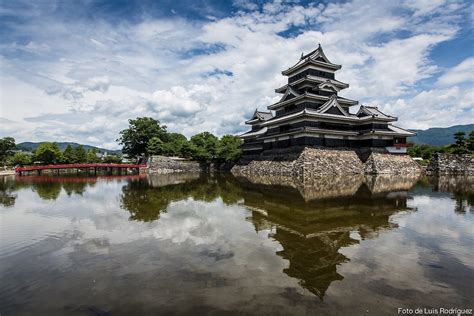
439, 136
31, 146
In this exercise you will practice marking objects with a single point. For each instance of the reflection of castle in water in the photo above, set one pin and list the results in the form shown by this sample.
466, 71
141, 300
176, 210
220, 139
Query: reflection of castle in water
313, 222
338, 185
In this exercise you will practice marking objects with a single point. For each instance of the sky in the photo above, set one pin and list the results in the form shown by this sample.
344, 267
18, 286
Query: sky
79, 70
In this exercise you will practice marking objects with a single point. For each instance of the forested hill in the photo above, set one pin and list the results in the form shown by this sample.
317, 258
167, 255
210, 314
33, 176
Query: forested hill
439, 136
30, 146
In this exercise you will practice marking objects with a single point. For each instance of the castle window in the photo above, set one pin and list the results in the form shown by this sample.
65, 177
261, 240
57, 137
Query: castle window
284, 128
290, 108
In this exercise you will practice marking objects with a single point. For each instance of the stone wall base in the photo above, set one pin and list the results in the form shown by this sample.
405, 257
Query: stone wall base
334, 186
313, 162
165, 165
451, 164
390, 164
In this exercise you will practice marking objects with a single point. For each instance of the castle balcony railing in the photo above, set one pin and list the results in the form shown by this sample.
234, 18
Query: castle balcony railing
403, 145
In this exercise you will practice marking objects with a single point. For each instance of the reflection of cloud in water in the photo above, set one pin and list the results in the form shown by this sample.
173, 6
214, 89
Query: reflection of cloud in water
434, 221
204, 260
194, 243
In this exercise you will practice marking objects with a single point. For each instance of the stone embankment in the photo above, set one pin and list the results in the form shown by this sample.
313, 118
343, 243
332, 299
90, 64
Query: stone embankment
310, 163
332, 186
165, 165
313, 162
378, 163
451, 164
7, 172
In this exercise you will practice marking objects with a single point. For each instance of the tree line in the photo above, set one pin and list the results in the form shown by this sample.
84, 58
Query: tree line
50, 153
145, 136
463, 144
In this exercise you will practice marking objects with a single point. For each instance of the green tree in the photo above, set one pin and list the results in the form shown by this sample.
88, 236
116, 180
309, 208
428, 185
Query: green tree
229, 148
69, 155
460, 139
92, 156
173, 146
470, 141
205, 146
7, 144
48, 153
136, 137
460, 143
112, 159
188, 150
20, 159
155, 146
80, 154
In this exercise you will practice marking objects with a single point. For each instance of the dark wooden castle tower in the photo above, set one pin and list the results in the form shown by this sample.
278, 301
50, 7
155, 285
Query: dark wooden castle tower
311, 112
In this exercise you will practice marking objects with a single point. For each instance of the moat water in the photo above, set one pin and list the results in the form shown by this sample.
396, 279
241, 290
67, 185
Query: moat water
197, 245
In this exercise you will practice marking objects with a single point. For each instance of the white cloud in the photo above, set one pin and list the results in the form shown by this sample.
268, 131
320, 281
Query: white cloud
245, 4
30, 47
423, 7
399, 64
100, 83
437, 107
463, 72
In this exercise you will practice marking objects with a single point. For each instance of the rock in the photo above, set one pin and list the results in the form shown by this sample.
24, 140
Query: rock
451, 164
379, 163
165, 165
314, 162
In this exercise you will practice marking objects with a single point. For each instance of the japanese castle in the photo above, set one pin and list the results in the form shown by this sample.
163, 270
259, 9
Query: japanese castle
311, 112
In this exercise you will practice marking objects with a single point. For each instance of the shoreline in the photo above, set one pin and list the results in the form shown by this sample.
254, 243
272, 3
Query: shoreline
7, 172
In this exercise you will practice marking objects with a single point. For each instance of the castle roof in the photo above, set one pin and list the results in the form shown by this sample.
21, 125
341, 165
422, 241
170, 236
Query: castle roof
308, 95
332, 104
373, 111
254, 133
316, 57
310, 78
259, 116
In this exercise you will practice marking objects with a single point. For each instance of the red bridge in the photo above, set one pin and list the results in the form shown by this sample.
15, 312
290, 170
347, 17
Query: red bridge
109, 167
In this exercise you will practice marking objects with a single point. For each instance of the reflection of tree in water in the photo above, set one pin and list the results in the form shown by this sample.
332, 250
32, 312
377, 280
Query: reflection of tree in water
7, 197
47, 190
47, 187
312, 232
146, 199
76, 187
461, 187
